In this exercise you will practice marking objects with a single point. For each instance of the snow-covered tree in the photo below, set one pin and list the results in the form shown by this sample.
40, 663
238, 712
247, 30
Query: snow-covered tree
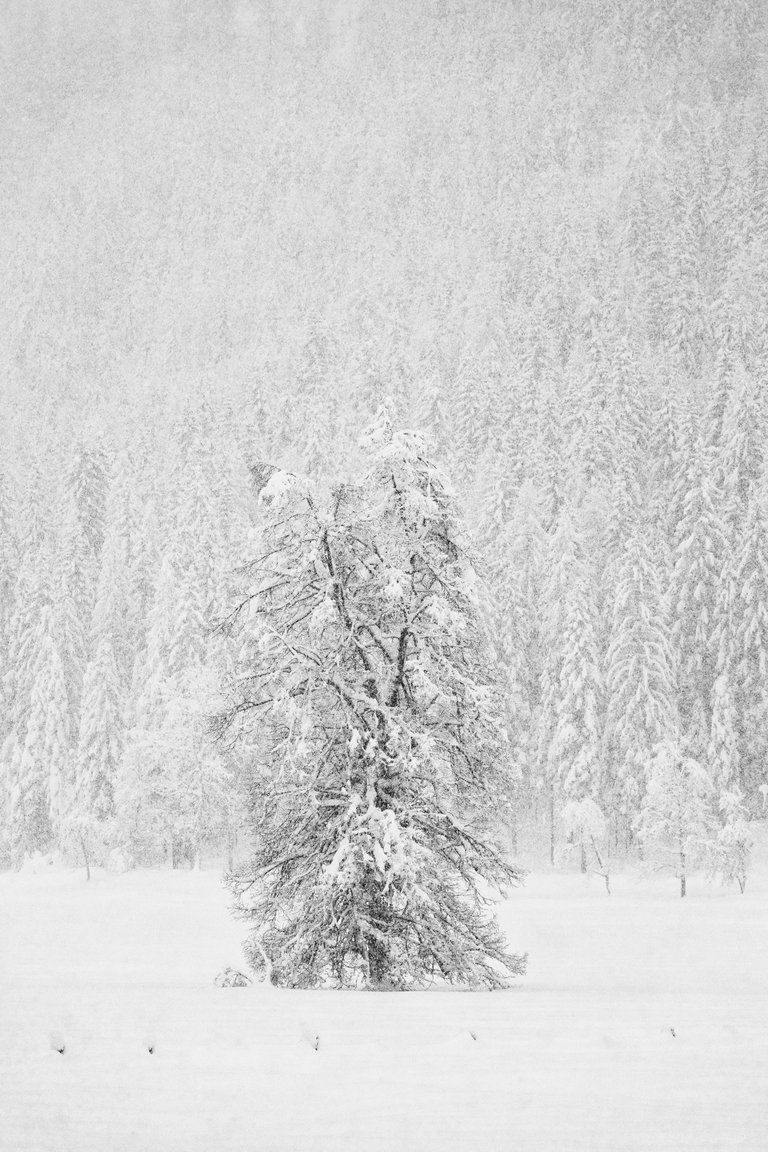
511, 543
700, 550
86, 481
41, 762
585, 827
515, 551
33, 594
365, 667
100, 737
576, 745
8, 565
72, 598
571, 713
742, 451
730, 852
639, 673
147, 779
176, 790
750, 663
166, 762
200, 794
676, 822
723, 745
142, 803
560, 560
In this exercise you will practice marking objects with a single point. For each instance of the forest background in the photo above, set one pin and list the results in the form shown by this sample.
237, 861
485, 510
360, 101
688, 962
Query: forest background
232, 229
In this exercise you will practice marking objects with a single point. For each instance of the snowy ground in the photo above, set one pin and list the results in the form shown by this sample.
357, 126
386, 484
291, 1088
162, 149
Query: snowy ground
642, 1024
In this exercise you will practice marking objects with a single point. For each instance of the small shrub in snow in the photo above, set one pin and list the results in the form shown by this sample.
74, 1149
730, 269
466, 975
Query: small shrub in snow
231, 978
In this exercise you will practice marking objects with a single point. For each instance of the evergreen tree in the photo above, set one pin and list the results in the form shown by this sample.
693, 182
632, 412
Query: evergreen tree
10, 762
631, 420
152, 667
41, 763
145, 567
742, 453
576, 744
750, 674
166, 762
8, 571
87, 480
700, 548
33, 592
515, 553
667, 470
121, 553
468, 404
101, 721
100, 739
8, 578
434, 407
639, 674
71, 597
562, 556
723, 748
142, 787
548, 460
364, 667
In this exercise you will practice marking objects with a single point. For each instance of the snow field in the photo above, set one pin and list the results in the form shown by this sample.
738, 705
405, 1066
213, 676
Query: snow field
580, 1054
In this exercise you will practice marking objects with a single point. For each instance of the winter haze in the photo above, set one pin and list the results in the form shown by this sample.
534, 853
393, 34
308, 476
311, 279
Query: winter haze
383, 575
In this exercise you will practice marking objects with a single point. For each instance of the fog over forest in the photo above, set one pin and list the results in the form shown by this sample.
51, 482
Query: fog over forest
537, 233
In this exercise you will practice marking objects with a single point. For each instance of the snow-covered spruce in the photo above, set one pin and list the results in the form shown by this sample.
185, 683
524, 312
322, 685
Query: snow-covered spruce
365, 680
640, 680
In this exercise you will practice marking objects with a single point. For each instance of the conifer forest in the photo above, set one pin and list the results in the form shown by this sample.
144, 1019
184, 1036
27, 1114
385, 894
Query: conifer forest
253, 252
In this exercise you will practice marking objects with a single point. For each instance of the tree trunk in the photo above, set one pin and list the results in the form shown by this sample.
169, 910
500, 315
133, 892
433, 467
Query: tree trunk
85, 857
682, 873
376, 953
583, 858
552, 826
377, 962
603, 870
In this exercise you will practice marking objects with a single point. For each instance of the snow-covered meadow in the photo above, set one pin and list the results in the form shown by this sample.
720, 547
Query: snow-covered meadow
642, 1023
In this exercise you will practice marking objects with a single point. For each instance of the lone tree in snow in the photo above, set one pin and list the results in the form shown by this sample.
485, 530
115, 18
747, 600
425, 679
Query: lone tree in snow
365, 684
